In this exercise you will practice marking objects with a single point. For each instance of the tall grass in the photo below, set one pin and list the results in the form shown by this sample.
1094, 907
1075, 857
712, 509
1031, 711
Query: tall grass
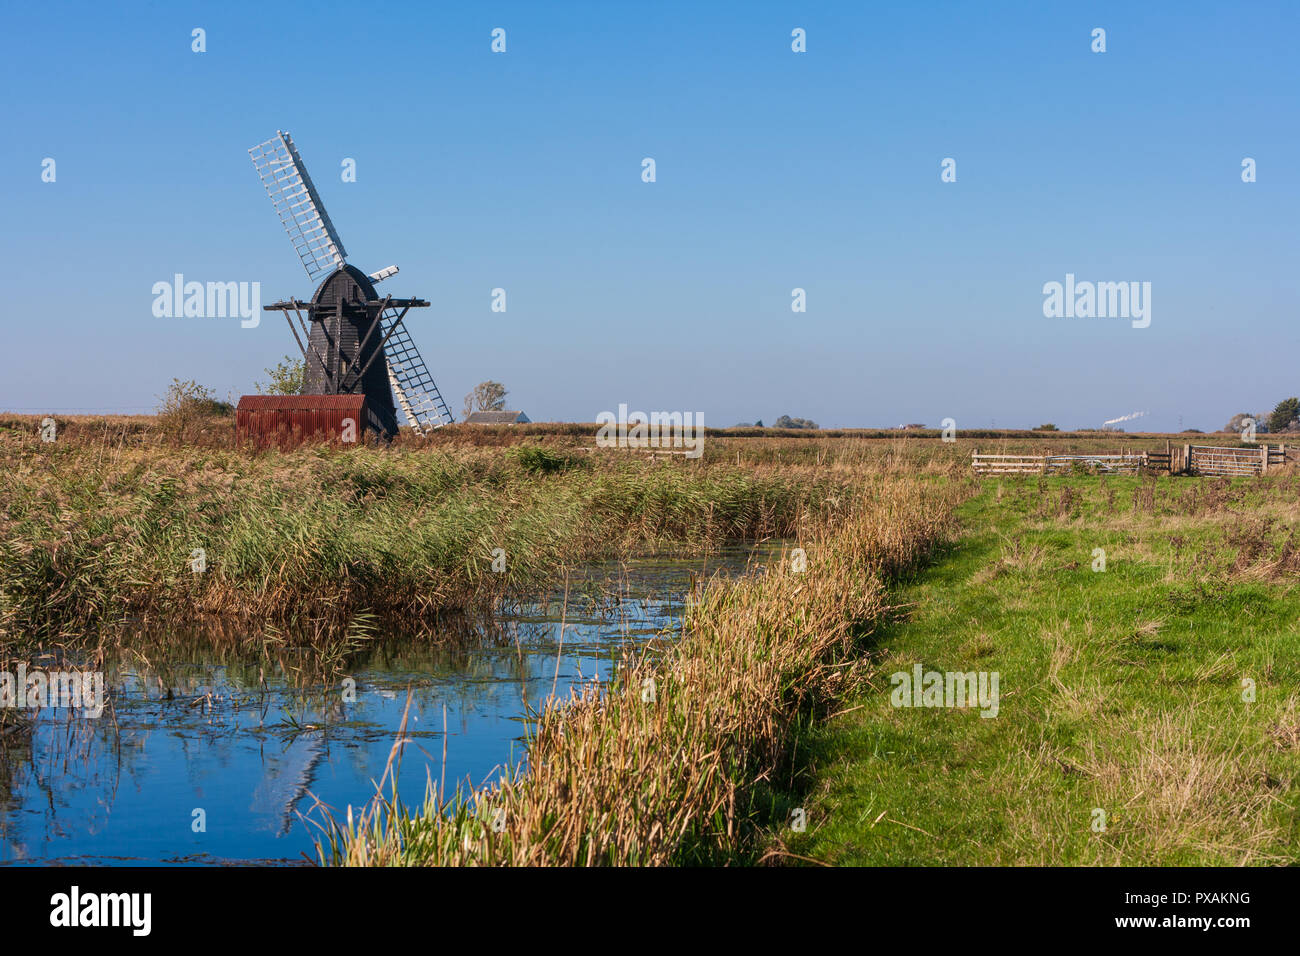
95, 537
617, 775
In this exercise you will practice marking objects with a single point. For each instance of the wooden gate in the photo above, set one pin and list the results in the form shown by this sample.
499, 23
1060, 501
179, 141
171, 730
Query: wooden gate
1220, 460
1212, 460
1055, 464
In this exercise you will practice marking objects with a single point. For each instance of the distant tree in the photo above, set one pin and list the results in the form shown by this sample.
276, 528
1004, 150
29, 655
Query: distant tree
486, 397
284, 379
759, 423
1238, 422
785, 421
1285, 415
1047, 427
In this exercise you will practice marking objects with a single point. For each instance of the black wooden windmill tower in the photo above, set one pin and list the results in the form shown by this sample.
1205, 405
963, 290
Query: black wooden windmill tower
356, 340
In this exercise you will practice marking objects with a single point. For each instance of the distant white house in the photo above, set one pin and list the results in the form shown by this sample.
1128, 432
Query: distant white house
497, 418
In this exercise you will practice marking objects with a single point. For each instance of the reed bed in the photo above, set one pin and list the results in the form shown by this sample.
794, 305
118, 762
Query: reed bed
619, 775
107, 537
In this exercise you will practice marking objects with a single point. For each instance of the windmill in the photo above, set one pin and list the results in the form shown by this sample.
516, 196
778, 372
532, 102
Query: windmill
357, 343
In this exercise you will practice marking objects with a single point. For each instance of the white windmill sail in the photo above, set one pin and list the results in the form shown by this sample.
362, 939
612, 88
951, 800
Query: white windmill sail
321, 250
299, 207
417, 395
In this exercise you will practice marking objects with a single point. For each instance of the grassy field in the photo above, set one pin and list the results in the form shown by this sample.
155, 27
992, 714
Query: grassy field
219, 432
1148, 712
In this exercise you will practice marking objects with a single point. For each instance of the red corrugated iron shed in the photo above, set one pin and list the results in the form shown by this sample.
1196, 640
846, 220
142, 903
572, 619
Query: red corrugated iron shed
288, 420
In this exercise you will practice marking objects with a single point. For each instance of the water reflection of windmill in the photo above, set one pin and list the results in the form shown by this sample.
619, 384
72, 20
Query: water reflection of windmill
288, 777
357, 343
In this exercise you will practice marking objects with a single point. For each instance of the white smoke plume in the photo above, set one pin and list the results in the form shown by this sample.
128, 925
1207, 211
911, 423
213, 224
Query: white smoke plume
1124, 418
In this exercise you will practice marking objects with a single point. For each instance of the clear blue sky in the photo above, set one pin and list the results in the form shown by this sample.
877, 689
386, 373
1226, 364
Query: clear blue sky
775, 170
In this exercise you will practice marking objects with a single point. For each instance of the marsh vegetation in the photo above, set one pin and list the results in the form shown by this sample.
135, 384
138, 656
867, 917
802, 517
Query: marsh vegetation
768, 695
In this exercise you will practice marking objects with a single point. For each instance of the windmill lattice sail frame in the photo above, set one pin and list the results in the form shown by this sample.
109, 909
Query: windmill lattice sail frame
321, 251
298, 205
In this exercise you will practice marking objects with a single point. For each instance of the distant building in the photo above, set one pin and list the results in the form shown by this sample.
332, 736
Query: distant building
497, 418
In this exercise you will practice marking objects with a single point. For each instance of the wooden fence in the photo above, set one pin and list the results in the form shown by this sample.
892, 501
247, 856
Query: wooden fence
1211, 460
1055, 464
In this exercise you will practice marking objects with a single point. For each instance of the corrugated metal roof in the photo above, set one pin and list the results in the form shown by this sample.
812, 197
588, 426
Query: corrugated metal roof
496, 418
300, 402
286, 420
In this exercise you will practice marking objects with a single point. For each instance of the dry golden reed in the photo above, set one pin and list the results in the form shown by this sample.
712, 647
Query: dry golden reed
621, 775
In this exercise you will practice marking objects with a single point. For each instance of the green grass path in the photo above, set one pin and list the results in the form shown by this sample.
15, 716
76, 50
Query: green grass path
1122, 734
